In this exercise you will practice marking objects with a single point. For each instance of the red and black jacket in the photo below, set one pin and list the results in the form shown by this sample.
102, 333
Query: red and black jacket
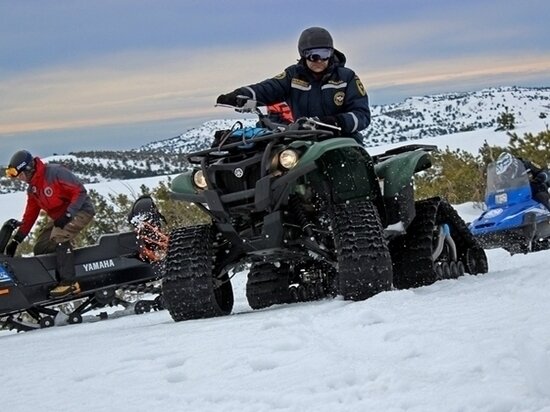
56, 191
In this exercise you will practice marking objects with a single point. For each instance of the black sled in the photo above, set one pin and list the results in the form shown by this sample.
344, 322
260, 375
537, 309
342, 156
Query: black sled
119, 262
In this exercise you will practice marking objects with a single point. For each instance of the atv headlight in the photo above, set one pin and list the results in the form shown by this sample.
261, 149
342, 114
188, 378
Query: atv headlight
199, 179
288, 158
501, 198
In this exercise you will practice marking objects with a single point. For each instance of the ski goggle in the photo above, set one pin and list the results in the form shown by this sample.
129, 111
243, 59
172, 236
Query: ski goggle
322, 54
12, 172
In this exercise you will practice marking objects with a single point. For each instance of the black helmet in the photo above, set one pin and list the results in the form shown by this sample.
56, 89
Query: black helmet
314, 38
21, 161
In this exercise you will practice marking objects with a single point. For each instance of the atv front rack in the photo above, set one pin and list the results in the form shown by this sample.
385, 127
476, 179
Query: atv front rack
222, 150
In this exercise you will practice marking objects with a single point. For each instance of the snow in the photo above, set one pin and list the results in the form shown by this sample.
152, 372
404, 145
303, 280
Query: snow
478, 343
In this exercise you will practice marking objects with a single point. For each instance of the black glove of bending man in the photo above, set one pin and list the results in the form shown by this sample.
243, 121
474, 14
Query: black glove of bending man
62, 221
12, 246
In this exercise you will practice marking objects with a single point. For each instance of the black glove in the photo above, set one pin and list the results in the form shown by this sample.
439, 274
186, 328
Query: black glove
541, 177
62, 221
229, 99
333, 121
11, 248
236, 98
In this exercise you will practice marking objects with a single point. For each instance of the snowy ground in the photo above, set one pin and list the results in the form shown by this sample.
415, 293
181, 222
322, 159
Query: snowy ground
479, 343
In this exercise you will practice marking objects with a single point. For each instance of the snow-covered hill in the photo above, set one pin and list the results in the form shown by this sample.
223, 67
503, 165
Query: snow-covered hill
445, 118
414, 118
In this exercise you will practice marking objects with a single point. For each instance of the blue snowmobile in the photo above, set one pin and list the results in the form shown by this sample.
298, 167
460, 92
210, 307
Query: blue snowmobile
513, 219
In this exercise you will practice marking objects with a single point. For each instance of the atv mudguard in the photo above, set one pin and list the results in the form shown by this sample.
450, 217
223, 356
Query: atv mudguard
343, 161
396, 174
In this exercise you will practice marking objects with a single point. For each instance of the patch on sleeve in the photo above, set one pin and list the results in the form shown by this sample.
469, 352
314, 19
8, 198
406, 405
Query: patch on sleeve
360, 87
280, 76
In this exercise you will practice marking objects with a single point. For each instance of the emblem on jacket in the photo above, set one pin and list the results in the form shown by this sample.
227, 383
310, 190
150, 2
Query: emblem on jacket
339, 98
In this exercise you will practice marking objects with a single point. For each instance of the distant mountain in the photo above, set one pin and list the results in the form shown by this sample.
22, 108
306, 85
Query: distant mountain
436, 115
414, 118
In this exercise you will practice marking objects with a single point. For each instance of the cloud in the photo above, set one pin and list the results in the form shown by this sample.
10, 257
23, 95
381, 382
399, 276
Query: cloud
152, 85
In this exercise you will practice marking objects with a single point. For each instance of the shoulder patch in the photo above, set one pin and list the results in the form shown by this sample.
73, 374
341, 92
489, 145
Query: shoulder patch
360, 87
280, 76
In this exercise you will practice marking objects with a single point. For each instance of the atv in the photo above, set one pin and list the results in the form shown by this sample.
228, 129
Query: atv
513, 219
107, 271
313, 215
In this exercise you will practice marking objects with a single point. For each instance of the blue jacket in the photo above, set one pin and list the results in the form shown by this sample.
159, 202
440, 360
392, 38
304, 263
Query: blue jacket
338, 93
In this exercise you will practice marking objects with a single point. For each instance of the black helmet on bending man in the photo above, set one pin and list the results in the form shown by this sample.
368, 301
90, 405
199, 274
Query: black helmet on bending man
21, 161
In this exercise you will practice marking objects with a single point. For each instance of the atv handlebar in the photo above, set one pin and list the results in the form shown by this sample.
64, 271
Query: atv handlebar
249, 105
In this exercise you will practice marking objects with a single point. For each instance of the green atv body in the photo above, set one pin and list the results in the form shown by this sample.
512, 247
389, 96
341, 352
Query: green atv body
313, 215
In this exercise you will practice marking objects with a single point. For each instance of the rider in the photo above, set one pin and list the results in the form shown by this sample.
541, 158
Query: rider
317, 86
55, 190
539, 179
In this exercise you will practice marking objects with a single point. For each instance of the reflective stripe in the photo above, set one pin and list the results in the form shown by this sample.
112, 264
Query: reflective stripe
300, 87
355, 121
334, 86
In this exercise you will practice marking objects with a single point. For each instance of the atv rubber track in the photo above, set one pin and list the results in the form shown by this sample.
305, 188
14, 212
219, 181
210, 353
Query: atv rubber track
412, 253
267, 285
364, 261
188, 285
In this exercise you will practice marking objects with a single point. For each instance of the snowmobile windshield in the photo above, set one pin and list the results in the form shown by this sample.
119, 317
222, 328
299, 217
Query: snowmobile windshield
505, 174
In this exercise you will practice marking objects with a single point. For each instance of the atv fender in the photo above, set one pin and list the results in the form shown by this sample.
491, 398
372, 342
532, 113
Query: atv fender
345, 164
183, 183
396, 174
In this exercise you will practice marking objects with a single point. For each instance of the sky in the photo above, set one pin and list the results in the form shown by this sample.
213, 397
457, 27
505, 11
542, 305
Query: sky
116, 74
